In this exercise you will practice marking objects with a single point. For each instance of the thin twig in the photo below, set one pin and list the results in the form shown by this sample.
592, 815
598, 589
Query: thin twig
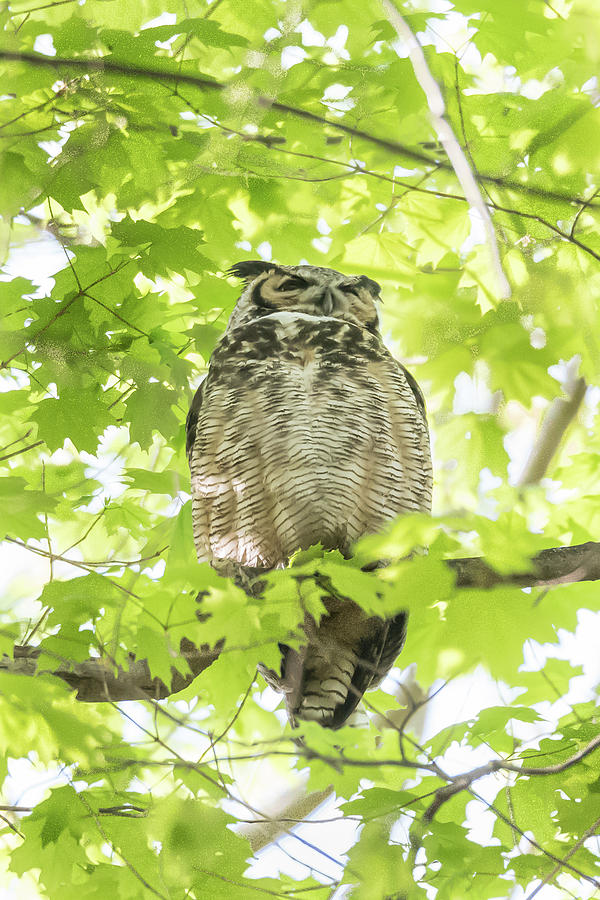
215, 740
22, 450
12, 826
27, 12
104, 563
497, 812
295, 811
116, 314
108, 65
211, 9
448, 139
581, 209
590, 831
134, 871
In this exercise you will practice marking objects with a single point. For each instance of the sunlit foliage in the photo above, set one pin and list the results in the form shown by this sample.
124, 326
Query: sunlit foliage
143, 152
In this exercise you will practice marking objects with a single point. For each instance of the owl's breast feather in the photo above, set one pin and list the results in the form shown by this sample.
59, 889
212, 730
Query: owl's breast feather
298, 338
307, 430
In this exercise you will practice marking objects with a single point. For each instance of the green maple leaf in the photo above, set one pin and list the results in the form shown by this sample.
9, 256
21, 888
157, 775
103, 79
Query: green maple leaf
78, 414
150, 409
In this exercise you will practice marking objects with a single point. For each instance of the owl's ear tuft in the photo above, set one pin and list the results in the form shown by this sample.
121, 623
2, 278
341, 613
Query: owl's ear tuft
248, 269
370, 284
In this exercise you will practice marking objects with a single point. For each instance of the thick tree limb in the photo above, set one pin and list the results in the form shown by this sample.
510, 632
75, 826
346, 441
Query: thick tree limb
557, 565
95, 679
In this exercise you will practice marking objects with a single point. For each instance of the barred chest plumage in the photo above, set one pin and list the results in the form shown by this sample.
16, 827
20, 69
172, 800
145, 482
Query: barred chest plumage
305, 430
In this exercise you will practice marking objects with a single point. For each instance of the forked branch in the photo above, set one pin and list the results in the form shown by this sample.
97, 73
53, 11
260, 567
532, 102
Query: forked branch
464, 781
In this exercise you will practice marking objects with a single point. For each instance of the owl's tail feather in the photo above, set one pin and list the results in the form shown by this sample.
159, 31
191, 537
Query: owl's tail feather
325, 681
327, 685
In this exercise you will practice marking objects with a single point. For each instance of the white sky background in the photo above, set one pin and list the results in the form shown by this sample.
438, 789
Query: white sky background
25, 574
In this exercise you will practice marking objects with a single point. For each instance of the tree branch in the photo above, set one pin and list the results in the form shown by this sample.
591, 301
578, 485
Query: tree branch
109, 65
96, 680
464, 781
557, 565
556, 421
448, 139
22, 450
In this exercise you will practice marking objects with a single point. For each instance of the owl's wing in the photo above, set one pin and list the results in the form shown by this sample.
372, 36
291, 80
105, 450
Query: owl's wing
191, 421
420, 399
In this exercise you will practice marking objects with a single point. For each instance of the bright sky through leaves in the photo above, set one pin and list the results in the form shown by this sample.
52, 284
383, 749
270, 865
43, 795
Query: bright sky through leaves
144, 152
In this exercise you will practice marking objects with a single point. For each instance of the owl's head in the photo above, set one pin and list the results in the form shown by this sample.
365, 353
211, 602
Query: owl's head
311, 290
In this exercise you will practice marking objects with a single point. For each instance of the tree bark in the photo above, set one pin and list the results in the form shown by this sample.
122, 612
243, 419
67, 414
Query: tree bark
96, 680
557, 565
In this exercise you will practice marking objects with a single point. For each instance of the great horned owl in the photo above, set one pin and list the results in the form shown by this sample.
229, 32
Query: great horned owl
306, 430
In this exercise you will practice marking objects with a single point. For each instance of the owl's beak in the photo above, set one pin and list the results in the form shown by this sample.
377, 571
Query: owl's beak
327, 302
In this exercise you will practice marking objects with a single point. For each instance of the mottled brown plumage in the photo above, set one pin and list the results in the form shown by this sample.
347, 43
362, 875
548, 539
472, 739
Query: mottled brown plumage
306, 430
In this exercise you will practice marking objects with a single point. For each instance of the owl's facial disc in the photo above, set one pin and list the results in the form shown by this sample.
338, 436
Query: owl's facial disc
317, 292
